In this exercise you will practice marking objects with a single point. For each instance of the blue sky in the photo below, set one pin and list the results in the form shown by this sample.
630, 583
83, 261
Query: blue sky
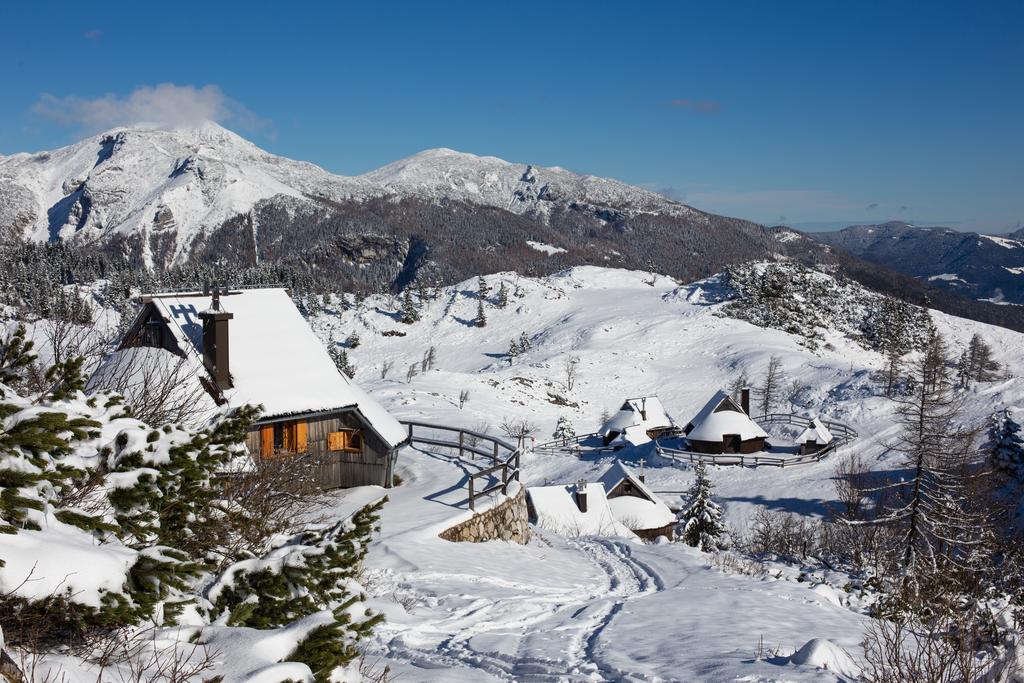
804, 113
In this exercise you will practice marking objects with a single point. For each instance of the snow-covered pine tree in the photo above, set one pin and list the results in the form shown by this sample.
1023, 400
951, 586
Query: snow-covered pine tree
410, 312
353, 340
15, 357
564, 431
513, 351
481, 316
1007, 444
524, 343
963, 369
701, 523
482, 288
502, 295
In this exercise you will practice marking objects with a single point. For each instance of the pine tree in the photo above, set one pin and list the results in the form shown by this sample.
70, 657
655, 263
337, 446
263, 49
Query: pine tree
341, 361
513, 351
771, 388
502, 295
702, 525
564, 431
524, 343
15, 357
930, 509
410, 313
483, 289
963, 369
737, 386
353, 340
481, 316
981, 367
1006, 444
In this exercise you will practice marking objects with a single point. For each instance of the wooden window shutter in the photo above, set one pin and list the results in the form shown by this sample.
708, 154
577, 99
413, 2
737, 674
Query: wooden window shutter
300, 436
289, 437
336, 441
267, 441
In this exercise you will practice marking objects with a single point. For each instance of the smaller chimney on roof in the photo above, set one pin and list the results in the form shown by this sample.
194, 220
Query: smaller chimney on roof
215, 338
642, 476
581, 495
745, 400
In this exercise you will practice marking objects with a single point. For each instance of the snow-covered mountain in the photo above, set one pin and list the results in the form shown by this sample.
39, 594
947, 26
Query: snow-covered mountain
152, 198
168, 186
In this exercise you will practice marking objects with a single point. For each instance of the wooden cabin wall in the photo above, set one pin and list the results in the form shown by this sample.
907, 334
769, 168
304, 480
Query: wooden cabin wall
339, 469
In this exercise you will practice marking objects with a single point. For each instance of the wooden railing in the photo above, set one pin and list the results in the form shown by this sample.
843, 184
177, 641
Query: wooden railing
842, 434
503, 456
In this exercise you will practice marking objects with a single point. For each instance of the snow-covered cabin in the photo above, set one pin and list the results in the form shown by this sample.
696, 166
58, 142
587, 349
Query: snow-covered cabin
638, 421
815, 437
722, 426
579, 509
253, 346
634, 504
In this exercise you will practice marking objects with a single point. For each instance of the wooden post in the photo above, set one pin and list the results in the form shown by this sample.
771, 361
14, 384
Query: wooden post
462, 438
504, 480
495, 453
472, 505
410, 433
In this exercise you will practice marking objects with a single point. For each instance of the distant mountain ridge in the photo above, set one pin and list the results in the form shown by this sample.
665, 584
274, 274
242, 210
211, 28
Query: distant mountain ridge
984, 267
161, 199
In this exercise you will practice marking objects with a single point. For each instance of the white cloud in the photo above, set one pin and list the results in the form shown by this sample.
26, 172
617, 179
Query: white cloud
164, 105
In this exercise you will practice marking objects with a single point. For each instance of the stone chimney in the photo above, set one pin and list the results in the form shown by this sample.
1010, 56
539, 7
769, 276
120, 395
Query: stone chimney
216, 354
581, 495
745, 400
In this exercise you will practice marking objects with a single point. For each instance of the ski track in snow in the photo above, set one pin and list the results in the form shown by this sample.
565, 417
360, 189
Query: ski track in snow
577, 624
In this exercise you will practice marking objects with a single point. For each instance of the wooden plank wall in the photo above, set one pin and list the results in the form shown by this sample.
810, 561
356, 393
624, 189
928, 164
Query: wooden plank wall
334, 469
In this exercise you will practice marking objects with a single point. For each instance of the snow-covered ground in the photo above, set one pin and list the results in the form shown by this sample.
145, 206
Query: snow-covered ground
586, 608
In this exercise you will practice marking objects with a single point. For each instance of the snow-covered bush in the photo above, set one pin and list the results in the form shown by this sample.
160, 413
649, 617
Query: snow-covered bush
107, 523
563, 430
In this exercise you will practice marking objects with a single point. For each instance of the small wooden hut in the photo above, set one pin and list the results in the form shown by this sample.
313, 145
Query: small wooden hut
815, 437
638, 421
722, 426
635, 505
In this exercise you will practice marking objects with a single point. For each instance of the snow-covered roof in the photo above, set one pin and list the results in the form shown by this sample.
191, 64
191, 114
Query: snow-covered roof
649, 512
556, 510
274, 357
614, 475
816, 432
721, 416
636, 416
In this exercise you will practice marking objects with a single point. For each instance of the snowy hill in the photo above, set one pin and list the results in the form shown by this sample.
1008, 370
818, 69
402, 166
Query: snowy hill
570, 607
474, 612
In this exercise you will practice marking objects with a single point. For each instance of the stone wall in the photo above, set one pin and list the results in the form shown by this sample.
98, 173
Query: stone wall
505, 522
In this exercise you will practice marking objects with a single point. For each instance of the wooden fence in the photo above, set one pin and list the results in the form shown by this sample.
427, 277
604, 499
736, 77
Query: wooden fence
842, 434
502, 456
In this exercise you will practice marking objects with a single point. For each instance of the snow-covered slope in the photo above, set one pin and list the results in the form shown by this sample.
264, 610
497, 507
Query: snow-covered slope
585, 608
635, 334
183, 183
